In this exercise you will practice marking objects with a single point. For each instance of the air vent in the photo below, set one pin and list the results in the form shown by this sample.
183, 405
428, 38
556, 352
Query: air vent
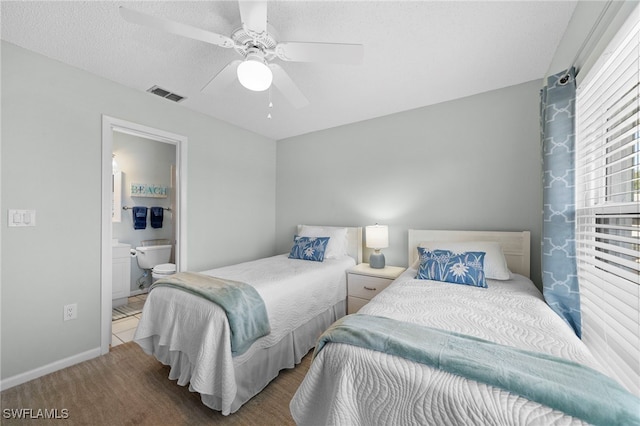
165, 94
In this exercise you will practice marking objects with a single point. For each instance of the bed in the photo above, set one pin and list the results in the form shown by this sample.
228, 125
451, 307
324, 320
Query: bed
302, 298
354, 383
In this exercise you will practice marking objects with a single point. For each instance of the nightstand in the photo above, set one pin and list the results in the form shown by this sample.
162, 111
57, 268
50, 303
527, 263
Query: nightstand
364, 282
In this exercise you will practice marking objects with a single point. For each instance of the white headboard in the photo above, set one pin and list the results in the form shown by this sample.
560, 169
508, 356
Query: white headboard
516, 246
354, 240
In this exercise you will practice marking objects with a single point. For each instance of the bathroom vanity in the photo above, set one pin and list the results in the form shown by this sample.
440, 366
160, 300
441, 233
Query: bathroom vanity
121, 273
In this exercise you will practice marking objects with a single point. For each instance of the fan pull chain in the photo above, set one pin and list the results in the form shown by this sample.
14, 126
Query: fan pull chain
270, 105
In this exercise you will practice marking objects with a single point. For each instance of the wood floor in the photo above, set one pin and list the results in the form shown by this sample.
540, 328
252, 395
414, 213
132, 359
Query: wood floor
128, 387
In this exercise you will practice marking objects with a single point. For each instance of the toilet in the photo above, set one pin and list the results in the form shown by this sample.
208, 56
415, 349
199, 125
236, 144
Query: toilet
162, 270
155, 258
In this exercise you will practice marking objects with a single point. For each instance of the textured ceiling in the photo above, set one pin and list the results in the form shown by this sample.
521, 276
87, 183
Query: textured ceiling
416, 53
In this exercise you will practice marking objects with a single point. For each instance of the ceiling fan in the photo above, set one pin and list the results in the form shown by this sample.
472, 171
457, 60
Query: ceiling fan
256, 43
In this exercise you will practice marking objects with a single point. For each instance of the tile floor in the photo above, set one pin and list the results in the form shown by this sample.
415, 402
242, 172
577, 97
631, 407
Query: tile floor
122, 330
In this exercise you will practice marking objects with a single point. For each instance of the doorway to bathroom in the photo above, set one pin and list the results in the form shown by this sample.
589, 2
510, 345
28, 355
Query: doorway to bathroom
145, 168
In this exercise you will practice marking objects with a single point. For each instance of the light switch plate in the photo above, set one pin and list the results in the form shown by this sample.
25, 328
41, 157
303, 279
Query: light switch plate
21, 217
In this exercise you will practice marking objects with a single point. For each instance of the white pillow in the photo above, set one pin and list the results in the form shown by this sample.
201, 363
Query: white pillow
495, 264
337, 246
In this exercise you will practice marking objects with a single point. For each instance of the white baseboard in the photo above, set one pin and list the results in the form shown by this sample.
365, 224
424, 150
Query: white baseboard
49, 368
138, 292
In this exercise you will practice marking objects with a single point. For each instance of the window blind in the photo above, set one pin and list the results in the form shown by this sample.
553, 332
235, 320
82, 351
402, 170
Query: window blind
608, 205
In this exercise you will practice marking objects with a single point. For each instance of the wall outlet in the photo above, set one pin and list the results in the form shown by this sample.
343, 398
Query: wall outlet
70, 311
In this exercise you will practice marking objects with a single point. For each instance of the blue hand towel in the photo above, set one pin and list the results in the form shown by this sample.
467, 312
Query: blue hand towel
139, 217
156, 217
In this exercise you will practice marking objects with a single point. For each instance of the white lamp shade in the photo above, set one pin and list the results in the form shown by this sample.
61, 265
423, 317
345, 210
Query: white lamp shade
254, 74
377, 236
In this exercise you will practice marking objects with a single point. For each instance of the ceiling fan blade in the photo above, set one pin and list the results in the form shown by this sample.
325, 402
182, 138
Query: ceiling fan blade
175, 28
334, 53
288, 88
253, 15
223, 79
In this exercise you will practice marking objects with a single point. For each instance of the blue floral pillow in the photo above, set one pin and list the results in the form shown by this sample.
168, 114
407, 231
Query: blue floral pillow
309, 248
458, 268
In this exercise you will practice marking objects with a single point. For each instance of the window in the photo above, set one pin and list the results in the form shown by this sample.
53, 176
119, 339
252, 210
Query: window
621, 231
608, 205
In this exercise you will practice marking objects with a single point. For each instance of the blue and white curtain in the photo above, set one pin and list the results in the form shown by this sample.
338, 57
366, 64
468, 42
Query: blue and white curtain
557, 120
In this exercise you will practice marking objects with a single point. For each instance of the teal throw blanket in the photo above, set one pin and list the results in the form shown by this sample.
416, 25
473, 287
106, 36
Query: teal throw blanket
244, 307
563, 385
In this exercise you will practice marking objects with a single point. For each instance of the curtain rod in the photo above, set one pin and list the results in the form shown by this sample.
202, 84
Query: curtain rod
587, 39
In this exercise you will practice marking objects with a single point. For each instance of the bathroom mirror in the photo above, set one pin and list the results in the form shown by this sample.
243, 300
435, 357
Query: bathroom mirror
116, 197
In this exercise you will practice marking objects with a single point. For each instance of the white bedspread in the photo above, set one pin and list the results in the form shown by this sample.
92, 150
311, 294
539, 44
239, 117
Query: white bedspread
347, 385
192, 334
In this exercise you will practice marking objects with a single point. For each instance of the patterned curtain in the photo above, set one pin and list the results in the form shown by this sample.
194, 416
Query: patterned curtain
557, 120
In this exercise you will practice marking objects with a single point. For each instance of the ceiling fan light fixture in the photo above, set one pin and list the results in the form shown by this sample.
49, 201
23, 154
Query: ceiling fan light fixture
254, 74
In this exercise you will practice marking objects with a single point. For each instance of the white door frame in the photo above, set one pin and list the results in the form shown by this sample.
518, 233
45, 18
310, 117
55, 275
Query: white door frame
109, 125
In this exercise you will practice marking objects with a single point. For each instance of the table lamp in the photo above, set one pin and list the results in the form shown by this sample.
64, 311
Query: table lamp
377, 238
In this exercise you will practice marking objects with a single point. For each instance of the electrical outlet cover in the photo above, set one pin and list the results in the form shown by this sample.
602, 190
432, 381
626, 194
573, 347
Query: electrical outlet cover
70, 311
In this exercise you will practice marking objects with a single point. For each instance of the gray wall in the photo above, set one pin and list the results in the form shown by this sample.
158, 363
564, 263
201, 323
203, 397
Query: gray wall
471, 164
51, 162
